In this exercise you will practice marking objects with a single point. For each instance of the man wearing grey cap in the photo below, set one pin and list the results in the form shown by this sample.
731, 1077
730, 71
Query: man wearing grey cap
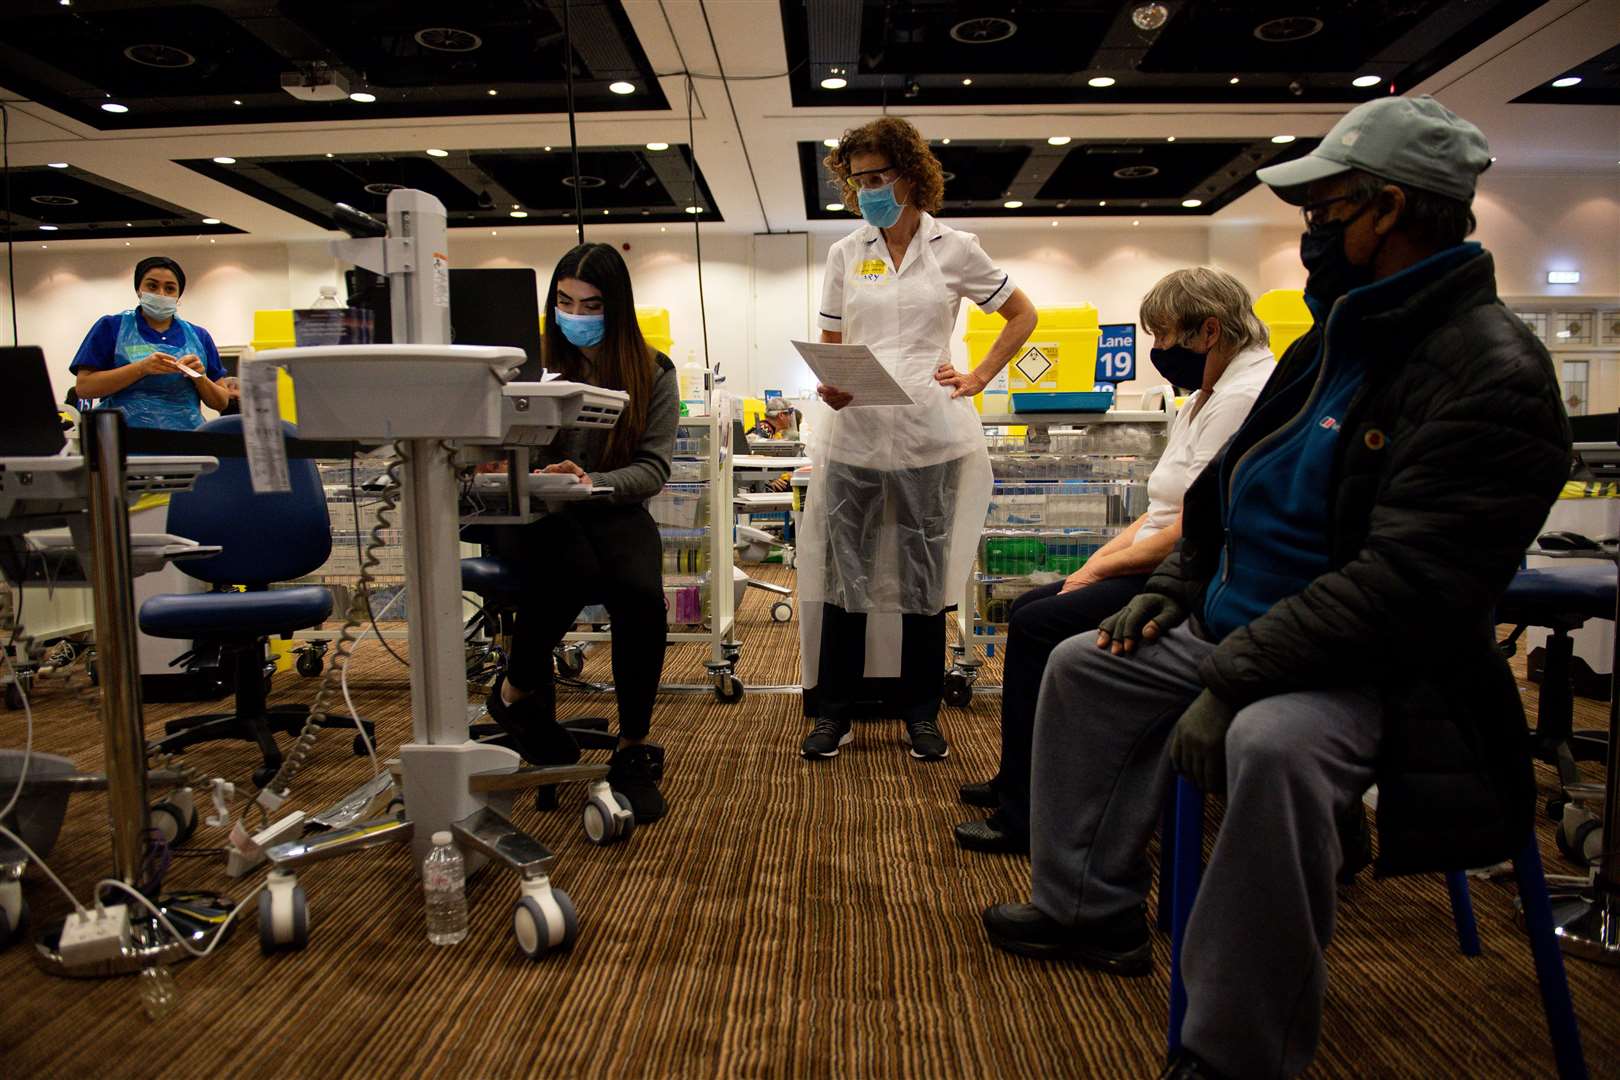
1325, 623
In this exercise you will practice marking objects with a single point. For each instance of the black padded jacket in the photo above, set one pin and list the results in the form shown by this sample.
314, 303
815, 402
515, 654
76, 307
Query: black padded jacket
1450, 457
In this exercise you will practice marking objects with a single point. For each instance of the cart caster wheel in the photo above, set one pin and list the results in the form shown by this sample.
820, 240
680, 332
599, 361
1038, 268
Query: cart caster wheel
173, 822
732, 653
310, 664
283, 915
570, 661
13, 912
359, 747
958, 691
608, 821
781, 611
1580, 836
545, 798
729, 689
538, 932
14, 696
93, 671
395, 808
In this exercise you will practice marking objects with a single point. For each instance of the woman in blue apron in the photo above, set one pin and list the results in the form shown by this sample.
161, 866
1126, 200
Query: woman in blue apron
147, 361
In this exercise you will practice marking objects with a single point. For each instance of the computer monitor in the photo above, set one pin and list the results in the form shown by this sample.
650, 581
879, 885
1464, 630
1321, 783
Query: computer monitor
30, 425
487, 307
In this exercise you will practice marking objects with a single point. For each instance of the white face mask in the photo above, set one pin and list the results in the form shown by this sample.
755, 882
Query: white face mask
158, 306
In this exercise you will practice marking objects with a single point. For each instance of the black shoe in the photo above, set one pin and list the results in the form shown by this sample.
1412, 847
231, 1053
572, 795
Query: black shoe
538, 738
981, 795
1186, 1065
635, 773
825, 738
1120, 946
925, 740
991, 835
1355, 843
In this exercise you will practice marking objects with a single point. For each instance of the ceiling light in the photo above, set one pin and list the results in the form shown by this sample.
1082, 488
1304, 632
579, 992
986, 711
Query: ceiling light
492, 92
210, 221
211, 240
1135, 223
944, 142
362, 97
224, 160
829, 142
44, 247
657, 146
605, 213
1058, 140
1190, 203
834, 83
547, 149
1170, 138
1233, 81
694, 209
1149, 16
1054, 224
114, 107
1282, 140
1100, 81
434, 151
52, 228
328, 155
622, 87
1102, 202
835, 206
1493, 161
967, 82
518, 214
1567, 80
57, 164
129, 224
237, 101
126, 243
1366, 80
492, 232
1012, 204
1554, 277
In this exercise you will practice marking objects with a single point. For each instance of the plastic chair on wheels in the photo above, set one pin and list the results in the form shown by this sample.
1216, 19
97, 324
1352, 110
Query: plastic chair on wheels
264, 539
1181, 865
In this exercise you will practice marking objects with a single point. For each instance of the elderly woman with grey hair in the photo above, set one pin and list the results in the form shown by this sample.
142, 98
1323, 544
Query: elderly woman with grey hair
1205, 336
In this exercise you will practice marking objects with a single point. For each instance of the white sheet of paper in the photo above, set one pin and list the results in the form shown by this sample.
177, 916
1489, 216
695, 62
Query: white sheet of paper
261, 426
855, 371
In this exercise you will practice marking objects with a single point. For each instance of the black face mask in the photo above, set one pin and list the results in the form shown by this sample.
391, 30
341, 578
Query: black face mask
1330, 273
1180, 366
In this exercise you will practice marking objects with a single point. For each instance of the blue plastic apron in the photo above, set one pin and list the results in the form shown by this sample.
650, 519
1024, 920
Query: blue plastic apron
156, 401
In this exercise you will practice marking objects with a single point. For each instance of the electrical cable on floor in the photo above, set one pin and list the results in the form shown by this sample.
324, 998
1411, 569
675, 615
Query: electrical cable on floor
726, 85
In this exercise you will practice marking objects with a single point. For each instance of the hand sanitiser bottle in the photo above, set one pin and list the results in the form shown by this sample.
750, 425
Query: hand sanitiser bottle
444, 885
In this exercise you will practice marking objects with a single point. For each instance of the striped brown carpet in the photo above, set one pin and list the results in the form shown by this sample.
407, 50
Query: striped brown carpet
784, 920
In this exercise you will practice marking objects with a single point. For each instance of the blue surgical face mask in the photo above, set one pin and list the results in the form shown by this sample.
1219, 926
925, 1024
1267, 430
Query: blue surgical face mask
158, 306
878, 205
582, 331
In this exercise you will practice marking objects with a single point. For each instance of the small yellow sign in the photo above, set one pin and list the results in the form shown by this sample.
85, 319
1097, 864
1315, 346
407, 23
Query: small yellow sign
873, 270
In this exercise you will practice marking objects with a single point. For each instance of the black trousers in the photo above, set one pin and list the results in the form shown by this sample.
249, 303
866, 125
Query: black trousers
844, 693
1041, 620
608, 555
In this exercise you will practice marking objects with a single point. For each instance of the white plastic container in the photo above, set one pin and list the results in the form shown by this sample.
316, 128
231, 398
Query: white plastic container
444, 886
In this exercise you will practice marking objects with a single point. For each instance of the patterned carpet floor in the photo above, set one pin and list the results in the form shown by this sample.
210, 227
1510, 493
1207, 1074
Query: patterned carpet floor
786, 919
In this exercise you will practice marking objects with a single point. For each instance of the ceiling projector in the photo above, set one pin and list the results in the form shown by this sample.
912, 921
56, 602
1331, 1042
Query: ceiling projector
316, 83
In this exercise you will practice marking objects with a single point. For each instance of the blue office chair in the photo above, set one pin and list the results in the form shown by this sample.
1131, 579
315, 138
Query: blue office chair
264, 539
1181, 864
1561, 598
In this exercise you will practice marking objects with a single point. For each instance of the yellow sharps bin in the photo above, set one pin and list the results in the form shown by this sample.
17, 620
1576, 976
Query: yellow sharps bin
1285, 315
1060, 356
273, 329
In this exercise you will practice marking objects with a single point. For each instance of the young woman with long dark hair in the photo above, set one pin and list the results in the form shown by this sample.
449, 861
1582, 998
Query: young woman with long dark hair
598, 551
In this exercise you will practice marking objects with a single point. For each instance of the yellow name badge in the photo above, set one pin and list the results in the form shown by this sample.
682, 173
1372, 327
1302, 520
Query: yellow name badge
873, 271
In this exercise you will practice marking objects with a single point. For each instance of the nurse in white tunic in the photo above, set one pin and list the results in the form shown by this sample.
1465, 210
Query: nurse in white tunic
899, 493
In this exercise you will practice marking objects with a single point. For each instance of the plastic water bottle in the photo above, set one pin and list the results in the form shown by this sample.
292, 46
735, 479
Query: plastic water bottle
159, 997
444, 884
328, 298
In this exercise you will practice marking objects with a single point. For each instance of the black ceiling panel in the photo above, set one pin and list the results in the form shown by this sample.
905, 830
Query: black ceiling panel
480, 188
222, 61
71, 204
1599, 85
1122, 178
958, 53
1140, 170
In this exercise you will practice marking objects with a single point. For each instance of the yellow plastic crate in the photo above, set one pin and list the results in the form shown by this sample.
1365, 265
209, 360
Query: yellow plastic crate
273, 329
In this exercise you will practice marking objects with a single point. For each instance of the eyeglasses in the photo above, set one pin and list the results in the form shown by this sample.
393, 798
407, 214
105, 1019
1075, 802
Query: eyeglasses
1315, 213
870, 179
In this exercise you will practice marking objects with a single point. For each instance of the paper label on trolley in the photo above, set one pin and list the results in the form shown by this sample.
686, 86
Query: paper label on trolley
441, 279
261, 427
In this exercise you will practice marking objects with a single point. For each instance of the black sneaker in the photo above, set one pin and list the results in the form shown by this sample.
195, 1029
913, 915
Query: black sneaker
926, 742
1120, 946
991, 835
825, 738
983, 794
1187, 1065
635, 773
538, 738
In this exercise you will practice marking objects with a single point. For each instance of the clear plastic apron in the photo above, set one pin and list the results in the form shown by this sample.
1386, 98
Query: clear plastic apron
156, 401
898, 496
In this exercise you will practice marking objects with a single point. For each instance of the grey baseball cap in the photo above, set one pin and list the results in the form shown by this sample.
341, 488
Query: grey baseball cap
1415, 141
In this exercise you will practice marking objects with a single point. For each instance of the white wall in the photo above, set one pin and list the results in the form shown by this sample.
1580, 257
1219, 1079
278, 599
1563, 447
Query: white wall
1530, 223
